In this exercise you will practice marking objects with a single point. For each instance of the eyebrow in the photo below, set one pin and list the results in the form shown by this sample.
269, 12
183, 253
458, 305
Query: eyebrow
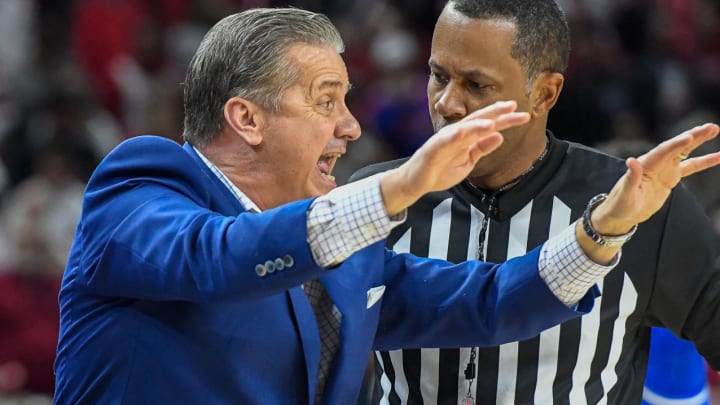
336, 84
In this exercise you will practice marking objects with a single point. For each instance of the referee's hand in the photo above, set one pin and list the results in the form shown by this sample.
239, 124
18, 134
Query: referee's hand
650, 178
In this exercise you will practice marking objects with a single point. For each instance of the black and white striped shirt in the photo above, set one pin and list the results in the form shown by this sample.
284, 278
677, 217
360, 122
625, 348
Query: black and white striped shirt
665, 277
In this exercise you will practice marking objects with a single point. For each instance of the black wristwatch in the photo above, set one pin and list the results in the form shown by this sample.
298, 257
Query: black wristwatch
604, 240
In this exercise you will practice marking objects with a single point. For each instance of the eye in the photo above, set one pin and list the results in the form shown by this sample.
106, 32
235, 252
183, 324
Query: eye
328, 104
477, 86
438, 78
480, 89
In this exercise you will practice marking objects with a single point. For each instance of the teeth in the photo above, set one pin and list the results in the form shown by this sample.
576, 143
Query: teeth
328, 158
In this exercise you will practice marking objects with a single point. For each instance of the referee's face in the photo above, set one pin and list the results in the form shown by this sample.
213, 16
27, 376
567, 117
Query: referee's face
471, 66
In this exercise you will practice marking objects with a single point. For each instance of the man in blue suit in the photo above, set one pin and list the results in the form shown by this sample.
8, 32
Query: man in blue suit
189, 277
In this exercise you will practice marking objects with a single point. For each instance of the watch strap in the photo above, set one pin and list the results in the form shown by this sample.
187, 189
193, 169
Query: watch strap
600, 239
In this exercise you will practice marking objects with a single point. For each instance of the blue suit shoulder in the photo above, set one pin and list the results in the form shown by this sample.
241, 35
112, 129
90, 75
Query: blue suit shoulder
149, 158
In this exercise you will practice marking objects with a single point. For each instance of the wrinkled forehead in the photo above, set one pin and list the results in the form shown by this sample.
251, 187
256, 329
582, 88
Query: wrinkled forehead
320, 67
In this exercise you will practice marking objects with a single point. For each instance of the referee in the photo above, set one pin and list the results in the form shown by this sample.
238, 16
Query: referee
528, 190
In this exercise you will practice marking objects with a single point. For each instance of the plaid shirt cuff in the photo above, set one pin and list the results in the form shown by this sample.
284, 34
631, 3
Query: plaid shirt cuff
567, 270
348, 219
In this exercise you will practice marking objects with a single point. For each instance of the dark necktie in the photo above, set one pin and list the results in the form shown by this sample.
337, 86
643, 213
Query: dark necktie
328, 319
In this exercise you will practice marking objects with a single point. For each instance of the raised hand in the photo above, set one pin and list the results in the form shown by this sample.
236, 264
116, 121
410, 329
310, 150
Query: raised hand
448, 156
646, 185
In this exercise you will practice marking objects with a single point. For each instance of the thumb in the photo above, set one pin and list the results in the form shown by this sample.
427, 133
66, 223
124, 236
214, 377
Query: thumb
634, 173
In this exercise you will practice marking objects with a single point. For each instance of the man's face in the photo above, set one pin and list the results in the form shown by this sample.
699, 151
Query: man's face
312, 127
471, 67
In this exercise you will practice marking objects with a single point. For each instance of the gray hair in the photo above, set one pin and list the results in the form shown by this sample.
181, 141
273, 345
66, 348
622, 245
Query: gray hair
245, 55
542, 38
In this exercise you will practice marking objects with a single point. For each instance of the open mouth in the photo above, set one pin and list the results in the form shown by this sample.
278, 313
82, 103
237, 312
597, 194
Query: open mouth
326, 163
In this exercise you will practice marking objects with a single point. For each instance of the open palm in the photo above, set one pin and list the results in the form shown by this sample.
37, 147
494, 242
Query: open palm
650, 178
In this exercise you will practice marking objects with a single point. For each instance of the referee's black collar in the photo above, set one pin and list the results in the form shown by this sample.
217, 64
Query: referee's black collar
509, 202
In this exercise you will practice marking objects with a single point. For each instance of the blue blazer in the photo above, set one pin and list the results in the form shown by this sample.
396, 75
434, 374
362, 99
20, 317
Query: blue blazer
165, 301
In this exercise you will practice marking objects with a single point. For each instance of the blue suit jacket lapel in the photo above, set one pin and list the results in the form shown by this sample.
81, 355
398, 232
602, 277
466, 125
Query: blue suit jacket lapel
309, 336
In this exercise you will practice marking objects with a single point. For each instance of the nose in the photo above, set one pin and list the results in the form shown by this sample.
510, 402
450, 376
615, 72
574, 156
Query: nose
348, 127
449, 102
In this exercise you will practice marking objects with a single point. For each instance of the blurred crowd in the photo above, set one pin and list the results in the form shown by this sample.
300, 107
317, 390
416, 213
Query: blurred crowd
79, 76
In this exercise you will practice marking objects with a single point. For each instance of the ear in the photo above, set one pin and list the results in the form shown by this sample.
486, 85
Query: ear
545, 92
244, 118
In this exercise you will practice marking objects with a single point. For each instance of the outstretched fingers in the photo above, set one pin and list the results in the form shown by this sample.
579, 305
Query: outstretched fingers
478, 136
682, 145
511, 120
664, 158
670, 159
493, 111
484, 147
700, 163
701, 134
668, 152
503, 113
466, 132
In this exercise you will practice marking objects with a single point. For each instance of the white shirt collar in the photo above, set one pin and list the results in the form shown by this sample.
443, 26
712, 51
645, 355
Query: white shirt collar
246, 202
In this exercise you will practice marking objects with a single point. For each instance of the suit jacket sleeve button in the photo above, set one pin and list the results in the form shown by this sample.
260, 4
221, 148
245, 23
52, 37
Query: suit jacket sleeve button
289, 261
279, 264
260, 270
270, 266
